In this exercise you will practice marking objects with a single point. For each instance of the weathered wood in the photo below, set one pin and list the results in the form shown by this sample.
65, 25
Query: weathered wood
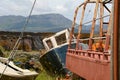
109, 25
80, 26
93, 24
73, 24
101, 19
108, 35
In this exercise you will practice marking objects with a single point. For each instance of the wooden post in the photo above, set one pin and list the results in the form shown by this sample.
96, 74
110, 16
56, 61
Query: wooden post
101, 26
108, 33
80, 26
101, 19
116, 41
93, 24
73, 25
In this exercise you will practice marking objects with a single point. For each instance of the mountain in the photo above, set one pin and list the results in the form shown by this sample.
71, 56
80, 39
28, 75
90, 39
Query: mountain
7, 21
37, 23
40, 23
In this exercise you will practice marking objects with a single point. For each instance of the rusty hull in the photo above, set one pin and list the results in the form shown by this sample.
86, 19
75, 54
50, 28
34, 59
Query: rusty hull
88, 64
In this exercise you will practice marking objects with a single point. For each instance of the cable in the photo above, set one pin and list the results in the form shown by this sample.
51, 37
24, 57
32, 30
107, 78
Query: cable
92, 20
27, 20
12, 54
21, 35
89, 12
96, 19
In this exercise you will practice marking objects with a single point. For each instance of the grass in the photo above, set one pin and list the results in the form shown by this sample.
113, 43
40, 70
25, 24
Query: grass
44, 76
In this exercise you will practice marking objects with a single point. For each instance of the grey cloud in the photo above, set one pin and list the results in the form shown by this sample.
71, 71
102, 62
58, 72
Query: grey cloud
22, 7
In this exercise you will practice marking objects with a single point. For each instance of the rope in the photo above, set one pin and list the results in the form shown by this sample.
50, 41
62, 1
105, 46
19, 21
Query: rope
12, 54
27, 20
96, 19
93, 38
89, 12
92, 20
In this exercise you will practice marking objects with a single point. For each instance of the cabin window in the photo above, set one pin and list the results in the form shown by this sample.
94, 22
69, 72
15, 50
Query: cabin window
49, 43
61, 39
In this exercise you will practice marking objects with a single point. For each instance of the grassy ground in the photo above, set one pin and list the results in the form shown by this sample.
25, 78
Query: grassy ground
44, 76
23, 57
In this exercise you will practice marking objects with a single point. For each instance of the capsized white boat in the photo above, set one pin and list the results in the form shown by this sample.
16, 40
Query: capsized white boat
53, 61
14, 71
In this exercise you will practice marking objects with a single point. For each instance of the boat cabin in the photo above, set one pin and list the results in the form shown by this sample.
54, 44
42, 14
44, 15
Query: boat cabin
56, 40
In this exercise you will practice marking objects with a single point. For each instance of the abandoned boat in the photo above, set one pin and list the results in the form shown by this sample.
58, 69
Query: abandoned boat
8, 70
94, 62
53, 61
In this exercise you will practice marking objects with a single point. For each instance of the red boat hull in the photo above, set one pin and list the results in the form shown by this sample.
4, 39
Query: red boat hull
89, 65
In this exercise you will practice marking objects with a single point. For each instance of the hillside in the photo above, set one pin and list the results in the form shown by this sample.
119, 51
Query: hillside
37, 23
40, 23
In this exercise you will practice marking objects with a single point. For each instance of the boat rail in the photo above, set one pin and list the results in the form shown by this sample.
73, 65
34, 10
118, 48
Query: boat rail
91, 55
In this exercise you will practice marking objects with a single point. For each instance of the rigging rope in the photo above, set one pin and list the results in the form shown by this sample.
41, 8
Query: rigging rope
96, 19
92, 20
13, 52
89, 12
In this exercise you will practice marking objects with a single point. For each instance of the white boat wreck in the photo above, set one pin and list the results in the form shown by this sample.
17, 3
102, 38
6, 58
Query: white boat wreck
53, 61
9, 70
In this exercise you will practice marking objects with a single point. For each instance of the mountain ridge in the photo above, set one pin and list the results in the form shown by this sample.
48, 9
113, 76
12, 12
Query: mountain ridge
39, 23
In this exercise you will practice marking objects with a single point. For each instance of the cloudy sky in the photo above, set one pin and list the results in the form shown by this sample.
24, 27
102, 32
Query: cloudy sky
22, 7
